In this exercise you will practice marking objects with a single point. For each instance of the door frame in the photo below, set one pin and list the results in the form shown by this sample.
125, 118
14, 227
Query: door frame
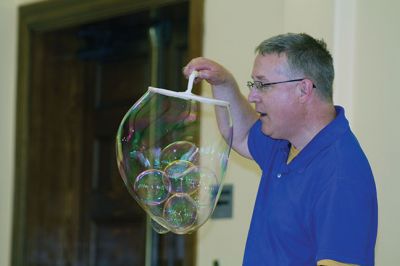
55, 15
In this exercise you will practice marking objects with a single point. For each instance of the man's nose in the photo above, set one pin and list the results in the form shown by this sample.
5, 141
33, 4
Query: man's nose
253, 96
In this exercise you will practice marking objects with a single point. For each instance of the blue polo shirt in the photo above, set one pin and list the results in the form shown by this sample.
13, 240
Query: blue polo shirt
322, 205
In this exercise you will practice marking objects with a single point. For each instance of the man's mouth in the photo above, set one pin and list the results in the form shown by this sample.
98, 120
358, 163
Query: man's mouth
262, 114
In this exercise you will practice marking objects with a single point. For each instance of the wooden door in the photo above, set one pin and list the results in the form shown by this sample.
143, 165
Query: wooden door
71, 206
116, 60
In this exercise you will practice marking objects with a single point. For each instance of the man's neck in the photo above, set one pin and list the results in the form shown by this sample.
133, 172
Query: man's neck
315, 119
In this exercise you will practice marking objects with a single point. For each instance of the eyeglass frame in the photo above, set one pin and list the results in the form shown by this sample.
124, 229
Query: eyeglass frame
253, 84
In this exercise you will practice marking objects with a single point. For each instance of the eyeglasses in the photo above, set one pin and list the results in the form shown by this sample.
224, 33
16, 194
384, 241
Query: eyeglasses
260, 86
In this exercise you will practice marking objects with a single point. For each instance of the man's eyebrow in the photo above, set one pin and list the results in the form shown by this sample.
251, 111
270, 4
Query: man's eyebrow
260, 77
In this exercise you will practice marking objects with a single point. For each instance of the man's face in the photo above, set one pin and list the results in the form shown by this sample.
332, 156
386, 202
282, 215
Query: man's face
277, 104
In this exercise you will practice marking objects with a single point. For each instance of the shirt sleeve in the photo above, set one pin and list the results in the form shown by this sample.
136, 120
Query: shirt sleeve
262, 147
259, 144
254, 136
345, 222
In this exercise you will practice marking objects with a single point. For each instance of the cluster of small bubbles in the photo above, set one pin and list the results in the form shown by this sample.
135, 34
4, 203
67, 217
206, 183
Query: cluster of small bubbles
176, 181
178, 194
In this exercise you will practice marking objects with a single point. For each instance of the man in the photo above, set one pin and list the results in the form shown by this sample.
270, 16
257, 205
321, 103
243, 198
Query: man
316, 203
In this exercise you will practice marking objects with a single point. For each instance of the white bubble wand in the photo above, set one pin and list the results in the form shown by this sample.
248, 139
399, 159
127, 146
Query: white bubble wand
188, 95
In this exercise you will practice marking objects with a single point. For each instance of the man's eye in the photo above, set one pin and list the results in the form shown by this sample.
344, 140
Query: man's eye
258, 85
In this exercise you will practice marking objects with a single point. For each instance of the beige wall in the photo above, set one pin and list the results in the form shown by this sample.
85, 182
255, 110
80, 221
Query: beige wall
363, 36
8, 28
376, 117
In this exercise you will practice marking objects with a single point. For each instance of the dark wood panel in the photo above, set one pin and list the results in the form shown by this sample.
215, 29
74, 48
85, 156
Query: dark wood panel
55, 15
52, 199
123, 88
113, 245
68, 111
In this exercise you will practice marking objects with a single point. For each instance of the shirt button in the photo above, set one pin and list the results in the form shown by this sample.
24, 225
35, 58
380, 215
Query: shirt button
279, 175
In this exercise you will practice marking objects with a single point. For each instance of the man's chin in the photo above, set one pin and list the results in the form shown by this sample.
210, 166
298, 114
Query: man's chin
266, 131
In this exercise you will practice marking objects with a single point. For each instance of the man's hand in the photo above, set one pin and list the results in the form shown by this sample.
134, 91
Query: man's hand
208, 70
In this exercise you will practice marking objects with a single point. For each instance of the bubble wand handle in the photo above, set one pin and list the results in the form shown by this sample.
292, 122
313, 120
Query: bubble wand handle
192, 77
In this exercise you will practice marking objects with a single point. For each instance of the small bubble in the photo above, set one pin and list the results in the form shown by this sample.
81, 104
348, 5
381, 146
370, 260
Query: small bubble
179, 150
180, 211
183, 176
152, 187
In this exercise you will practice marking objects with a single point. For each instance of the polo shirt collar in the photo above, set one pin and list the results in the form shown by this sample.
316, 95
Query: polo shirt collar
325, 138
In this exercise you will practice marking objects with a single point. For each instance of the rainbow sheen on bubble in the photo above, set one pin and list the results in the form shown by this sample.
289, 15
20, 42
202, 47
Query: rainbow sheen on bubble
207, 192
152, 187
179, 150
180, 211
183, 176
171, 171
158, 227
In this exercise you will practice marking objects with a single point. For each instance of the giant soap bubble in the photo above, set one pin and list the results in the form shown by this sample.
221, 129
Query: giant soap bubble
170, 167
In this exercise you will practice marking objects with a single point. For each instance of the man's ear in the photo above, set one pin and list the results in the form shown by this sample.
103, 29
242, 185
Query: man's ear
306, 90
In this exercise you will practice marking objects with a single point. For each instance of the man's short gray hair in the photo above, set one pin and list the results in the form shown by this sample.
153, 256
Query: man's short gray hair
306, 56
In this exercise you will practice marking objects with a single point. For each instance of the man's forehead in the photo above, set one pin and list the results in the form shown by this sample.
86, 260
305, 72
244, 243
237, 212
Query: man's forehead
269, 64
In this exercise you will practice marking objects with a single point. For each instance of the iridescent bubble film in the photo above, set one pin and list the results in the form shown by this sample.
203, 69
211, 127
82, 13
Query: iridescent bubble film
158, 227
183, 176
207, 190
172, 171
152, 187
179, 150
180, 211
